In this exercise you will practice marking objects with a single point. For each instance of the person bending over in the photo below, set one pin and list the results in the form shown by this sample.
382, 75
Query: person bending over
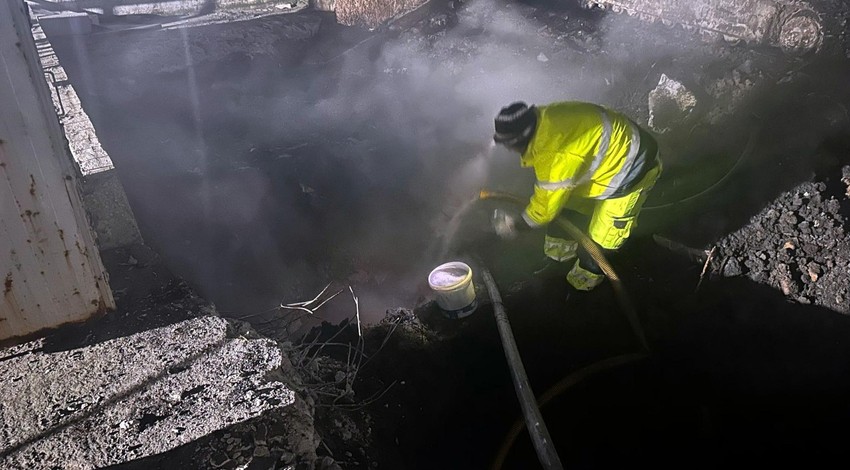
590, 162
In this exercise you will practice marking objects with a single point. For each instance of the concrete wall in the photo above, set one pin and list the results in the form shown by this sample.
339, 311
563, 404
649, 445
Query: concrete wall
50, 268
103, 195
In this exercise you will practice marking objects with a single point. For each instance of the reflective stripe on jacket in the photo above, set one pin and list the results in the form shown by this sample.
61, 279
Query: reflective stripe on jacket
580, 150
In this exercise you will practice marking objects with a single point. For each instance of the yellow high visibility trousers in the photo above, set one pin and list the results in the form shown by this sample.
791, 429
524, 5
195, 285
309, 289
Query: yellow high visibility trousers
611, 223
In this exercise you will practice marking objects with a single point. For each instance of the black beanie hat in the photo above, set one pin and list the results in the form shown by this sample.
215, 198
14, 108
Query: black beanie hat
515, 124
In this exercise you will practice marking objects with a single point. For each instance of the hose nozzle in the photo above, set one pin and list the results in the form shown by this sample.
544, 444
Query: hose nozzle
498, 195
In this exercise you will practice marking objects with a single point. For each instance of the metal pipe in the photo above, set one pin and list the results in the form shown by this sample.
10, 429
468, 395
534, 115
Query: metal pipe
534, 420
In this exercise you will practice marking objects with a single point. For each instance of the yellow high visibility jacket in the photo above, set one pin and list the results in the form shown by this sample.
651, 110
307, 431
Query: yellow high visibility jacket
580, 150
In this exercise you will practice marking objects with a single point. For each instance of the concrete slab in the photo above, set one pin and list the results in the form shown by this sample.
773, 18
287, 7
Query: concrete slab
133, 396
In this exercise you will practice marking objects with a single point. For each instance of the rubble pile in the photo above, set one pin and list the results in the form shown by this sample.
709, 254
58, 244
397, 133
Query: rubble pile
797, 244
281, 438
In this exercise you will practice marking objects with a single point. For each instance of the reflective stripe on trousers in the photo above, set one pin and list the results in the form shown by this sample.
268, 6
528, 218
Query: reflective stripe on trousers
613, 219
582, 279
559, 249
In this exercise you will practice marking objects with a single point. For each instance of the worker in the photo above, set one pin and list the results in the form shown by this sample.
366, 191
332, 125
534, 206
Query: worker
591, 162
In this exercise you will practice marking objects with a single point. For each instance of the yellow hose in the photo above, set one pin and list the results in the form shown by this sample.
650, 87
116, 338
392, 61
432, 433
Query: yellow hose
595, 252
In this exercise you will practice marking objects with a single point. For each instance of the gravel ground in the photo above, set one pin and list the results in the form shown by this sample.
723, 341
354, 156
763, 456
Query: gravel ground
797, 244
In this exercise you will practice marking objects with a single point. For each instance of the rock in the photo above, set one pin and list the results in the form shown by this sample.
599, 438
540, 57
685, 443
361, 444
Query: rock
813, 274
262, 463
218, 459
732, 268
670, 103
845, 178
328, 463
439, 21
785, 285
261, 451
542, 57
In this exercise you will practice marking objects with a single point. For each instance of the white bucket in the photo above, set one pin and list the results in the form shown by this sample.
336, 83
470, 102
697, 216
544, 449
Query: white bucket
452, 282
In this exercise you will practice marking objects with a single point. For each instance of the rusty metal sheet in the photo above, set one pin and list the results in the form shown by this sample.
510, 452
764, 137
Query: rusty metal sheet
49, 265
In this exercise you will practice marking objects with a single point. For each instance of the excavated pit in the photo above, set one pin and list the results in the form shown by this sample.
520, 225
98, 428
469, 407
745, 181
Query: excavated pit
265, 160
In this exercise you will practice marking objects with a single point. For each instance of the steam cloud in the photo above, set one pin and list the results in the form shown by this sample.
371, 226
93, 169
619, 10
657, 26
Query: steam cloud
308, 171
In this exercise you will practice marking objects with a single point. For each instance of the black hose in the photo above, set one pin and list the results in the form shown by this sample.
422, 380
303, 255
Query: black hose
576, 377
554, 391
533, 419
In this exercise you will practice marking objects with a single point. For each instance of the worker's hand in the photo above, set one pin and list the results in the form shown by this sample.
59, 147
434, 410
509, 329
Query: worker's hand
504, 224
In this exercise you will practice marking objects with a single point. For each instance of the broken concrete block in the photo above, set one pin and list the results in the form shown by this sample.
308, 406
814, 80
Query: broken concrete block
109, 211
669, 103
372, 13
108, 403
66, 24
